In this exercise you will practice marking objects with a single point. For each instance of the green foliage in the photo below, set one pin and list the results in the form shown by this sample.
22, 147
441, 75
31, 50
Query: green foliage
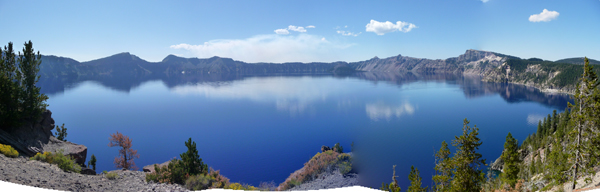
8, 151
112, 176
415, 181
191, 162
66, 163
338, 148
104, 172
511, 160
199, 182
61, 132
584, 121
238, 186
345, 167
393, 186
172, 173
92, 162
556, 166
443, 169
20, 99
467, 161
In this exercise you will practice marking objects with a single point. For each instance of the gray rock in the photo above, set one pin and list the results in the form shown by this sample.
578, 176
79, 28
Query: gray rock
87, 171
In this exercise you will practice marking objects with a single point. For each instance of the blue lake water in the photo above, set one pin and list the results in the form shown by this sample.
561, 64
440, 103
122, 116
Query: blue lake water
264, 127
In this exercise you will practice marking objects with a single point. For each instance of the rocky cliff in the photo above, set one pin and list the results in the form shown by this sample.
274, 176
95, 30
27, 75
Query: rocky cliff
32, 138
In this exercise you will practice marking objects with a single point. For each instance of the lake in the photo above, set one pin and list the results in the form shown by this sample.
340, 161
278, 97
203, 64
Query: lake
261, 128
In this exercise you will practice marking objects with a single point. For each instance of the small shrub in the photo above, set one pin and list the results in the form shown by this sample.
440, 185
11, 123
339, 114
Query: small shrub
318, 164
235, 186
112, 176
173, 173
338, 148
92, 162
104, 172
65, 163
8, 151
61, 132
345, 167
220, 180
267, 186
199, 182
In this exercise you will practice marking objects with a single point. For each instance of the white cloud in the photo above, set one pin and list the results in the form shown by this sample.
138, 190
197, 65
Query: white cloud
282, 31
323, 39
298, 29
269, 48
485, 1
310, 26
381, 28
348, 33
377, 111
544, 16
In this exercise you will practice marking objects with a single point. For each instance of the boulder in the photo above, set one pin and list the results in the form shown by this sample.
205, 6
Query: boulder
87, 171
78, 152
325, 148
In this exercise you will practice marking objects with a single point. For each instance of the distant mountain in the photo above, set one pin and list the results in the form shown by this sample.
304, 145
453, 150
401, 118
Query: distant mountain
577, 60
493, 67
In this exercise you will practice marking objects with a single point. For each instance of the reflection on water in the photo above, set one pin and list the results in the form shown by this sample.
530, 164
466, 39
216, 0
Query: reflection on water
296, 96
380, 110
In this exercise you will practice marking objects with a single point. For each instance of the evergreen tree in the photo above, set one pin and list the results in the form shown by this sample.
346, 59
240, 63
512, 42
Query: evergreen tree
583, 121
510, 156
10, 89
467, 176
443, 169
539, 129
33, 101
554, 121
192, 163
415, 181
556, 166
92, 162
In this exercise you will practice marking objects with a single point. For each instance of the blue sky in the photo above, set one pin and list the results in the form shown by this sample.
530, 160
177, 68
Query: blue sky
343, 30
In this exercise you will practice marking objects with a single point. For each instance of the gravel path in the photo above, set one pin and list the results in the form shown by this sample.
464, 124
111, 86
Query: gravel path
47, 176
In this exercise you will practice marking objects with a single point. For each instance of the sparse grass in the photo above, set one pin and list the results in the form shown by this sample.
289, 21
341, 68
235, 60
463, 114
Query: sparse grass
8, 151
64, 162
112, 176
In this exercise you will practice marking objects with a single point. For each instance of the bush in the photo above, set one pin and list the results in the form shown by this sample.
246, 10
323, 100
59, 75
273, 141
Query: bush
61, 132
112, 176
338, 148
65, 163
8, 151
172, 174
220, 180
199, 182
345, 167
238, 186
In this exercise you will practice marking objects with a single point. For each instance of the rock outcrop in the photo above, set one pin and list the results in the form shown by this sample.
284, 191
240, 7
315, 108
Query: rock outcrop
150, 168
30, 139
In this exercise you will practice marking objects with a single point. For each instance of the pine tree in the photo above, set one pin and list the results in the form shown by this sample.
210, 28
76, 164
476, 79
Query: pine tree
10, 89
126, 154
539, 129
192, 163
467, 176
33, 101
583, 122
92, 162
415, 181
443, 169
556, 166
511, 161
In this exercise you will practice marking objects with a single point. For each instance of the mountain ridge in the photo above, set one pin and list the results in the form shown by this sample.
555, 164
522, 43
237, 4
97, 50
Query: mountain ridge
490, 65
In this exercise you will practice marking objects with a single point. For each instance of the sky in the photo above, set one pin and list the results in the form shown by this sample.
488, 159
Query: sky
304, 31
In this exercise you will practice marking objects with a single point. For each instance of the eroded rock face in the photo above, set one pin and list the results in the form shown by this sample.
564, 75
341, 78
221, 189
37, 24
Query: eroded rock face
150, 168
78, 152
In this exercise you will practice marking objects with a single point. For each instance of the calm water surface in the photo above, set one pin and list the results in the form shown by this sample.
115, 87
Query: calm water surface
262, 128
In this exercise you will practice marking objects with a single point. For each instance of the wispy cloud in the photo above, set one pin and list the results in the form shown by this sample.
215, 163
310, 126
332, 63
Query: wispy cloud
485, 1
287, 30
381, 28
269, 48
544, 16
310, 27
282, 31
348, 33
377, 111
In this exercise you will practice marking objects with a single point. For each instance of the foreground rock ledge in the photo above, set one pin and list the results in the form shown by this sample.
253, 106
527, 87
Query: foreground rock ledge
30, 139
47, 176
